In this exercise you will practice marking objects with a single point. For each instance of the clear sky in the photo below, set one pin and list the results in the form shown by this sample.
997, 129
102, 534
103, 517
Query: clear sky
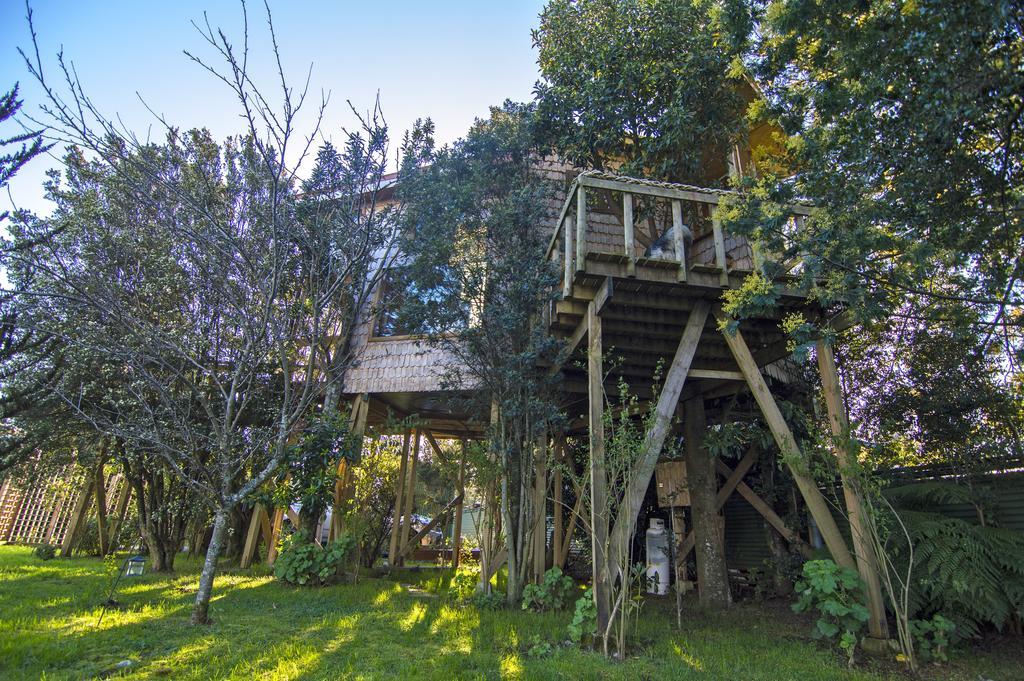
446, 59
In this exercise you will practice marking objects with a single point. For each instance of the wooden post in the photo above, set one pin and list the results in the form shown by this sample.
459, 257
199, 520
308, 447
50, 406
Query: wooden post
723, 276
410, 490
790, 450
343, 483
557, 510
665, 410
712, 573
275, 532
628, 232
581, 228
396, 521
677, 236
570, 251
598, 474
120, 510
867, 564
252, 536
540, 497
457, 527
77, 517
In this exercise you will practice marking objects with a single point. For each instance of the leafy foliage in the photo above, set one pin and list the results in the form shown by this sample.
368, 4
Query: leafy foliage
835, 592
45, 552
932, 637
551, 594
644, 84
305, 563
972, 575
583, 626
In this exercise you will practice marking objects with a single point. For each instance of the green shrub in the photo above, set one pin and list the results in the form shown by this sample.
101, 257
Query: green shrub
931, 637
495, 600
45, 552
835, 592
464, 583
584, 620
552, 593
539, 647
305, 563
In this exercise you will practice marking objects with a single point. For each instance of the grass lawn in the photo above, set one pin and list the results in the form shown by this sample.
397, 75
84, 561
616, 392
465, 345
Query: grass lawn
379, 629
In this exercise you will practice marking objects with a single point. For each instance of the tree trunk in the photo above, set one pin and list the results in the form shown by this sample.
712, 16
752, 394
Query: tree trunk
201, 608
712, 573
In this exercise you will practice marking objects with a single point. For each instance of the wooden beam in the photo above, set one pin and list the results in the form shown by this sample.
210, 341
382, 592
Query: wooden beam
252, 536
435, 521
716, 228
598, 473
846, 456
540, 496
275, 532
568, 270
664, 412
77, 517
790, 450
396, 522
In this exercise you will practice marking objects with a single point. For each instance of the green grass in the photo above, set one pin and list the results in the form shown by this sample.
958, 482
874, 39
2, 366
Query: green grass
379, 629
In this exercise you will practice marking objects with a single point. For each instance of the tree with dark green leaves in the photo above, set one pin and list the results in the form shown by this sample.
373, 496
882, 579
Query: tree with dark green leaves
647, 88
473, 247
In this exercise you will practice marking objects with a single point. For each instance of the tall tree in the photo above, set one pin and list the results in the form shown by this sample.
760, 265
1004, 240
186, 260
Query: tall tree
646, 84
478, 300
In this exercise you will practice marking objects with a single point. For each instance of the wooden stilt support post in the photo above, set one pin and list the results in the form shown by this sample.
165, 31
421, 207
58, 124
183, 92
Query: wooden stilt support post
540, 516
275, 532
790, 450
558, 512
712, 573
654, 439
598, 474
410, 490
343, 484
396, 522
457, 525
846, 456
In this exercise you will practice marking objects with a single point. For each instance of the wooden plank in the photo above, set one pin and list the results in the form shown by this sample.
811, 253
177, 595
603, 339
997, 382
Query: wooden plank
790, 450
275, 532
628, 234
598, 475
558, 513
436, 447
863, 549
654, 439
680, 241
566, 205
540, 495
581, 228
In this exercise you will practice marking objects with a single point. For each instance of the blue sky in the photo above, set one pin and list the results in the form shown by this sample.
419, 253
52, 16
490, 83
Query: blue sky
445, 60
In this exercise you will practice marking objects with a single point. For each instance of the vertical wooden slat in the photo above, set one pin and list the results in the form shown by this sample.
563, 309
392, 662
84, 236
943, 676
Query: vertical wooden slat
723, 276
540, 495
581, 228
570, 252
679, 241
628, 232
557, 511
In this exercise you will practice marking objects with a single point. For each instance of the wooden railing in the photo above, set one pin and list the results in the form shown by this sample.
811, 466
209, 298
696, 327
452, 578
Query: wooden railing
574, 232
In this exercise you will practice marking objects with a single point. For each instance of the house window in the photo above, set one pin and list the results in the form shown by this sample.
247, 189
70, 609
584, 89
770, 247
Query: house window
405, 309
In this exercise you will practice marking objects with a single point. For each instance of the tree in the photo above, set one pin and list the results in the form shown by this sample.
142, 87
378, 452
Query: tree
647, 85
907, 136
191, 266
478, 300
